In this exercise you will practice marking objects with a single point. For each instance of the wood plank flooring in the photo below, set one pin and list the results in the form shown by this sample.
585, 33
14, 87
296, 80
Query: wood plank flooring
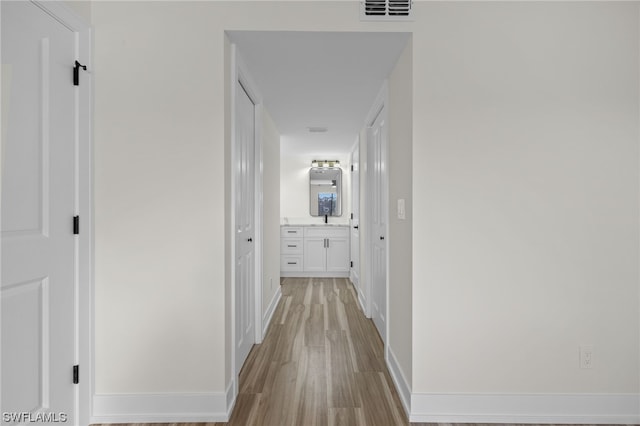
321, 363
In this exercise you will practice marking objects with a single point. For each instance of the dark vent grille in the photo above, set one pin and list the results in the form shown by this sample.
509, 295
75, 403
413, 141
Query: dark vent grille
399, 7
386, 8
375, 7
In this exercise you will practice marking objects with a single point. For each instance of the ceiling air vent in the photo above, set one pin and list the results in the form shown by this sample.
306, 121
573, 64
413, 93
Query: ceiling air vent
385, 10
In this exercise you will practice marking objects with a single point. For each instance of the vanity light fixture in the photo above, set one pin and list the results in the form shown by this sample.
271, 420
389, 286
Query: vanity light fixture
325, 163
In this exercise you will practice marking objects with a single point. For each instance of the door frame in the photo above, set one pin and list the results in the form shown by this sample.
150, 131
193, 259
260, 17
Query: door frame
83, 195
379, 106
240, 73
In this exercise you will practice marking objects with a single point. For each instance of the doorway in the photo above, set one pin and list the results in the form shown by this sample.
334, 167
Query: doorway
318, 88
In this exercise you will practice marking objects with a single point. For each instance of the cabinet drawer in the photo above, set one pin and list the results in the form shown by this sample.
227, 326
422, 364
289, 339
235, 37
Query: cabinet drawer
290, 231
291, 246
291, 263
326, 231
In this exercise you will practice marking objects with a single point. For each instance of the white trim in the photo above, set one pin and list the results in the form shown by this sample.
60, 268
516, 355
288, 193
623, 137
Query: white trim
258, 223
302, 274
362, 300
231, 393
400, 380
354, 278
84, 203
268, 314
160, 408
232, 203
526, 408
61, 13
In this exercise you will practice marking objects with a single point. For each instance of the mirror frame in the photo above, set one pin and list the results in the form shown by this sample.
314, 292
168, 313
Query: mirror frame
314, 190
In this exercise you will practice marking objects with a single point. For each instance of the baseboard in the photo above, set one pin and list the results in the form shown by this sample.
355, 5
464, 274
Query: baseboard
161, 408
526, 408
355, 279
363, 302
268, 314
232, 393
301, 274
399, 379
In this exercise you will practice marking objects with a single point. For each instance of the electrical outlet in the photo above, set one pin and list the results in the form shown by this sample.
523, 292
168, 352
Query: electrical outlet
586, 356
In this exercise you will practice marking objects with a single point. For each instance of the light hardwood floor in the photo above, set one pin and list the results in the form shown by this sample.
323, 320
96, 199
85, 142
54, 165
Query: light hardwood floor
321, 363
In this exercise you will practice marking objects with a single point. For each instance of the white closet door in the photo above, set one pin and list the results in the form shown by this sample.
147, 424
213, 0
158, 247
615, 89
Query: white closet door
38, 180
355, 220
377, 164
245, 224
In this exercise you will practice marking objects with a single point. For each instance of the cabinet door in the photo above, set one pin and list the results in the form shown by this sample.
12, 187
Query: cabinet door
338, 255
315, 258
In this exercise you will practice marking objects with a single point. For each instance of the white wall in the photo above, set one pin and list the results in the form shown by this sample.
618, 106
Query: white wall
159, 186
526, 155
80, 7
294, 189
525, 192
271, 212
400, 230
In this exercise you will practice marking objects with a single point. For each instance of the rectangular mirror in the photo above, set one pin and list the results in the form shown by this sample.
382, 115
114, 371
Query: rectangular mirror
325, 190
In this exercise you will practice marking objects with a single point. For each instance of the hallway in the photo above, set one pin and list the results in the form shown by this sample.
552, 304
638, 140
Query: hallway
321, 363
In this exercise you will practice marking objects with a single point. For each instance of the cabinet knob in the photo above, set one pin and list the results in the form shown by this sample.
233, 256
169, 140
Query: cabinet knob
381, 237
250, 239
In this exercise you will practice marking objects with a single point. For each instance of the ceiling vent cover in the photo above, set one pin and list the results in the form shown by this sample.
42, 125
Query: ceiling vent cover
385, 10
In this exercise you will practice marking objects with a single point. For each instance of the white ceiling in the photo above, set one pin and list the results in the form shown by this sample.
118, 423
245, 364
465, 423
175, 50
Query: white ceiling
318, 79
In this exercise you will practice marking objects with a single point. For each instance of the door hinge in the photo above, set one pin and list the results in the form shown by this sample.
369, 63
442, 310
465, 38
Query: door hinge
76, 225
76, 73
351, 215
352, 167
76, 374
352, 263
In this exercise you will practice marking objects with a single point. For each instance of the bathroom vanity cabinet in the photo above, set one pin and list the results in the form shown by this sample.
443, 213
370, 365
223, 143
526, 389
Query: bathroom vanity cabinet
314, 251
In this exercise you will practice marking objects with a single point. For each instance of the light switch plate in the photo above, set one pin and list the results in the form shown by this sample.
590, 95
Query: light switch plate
401, 209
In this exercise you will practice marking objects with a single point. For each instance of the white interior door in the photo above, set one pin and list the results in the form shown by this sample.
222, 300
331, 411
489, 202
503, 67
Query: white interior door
355, 218
377, 166
38, 244
245, 224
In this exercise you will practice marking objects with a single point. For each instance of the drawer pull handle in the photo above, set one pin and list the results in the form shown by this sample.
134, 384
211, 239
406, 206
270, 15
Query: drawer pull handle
292, 263
290, 245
